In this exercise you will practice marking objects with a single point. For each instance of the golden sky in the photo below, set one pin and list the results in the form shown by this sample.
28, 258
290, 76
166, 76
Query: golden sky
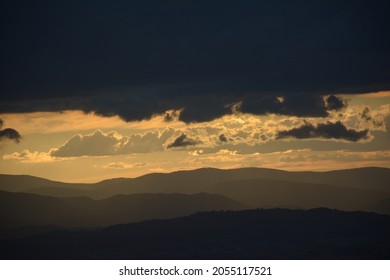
84, 147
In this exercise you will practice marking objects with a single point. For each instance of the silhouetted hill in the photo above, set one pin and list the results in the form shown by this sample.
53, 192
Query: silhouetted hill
195, 181
20, 209
25, 231
255, 187
365, 178
250, 234
275, 193
381, 206
60, 192
373, 178
22, 183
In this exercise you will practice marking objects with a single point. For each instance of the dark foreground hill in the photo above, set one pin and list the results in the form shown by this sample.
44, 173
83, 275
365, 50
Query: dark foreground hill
249, 234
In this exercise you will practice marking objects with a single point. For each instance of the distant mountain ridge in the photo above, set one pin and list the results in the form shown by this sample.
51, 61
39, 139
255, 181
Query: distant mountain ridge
365, 189
277, 193
21, 183
374, 178
23, 209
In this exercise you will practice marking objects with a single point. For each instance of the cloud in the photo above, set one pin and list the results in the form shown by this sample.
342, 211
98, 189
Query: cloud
327, 130
189, 108
292, 159
379, 94
363, 117
183, 141
171, 115
244, 133
30, 157
9, 133
222, 138
99, 143
220, 157
150, 141
335, 103
165, 58
123, 165
366, 115
298, 105
96, 144
195, 153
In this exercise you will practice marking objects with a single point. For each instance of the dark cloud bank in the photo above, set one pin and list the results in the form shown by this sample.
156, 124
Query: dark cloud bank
136, 59
183, 141
8, 133
327, 130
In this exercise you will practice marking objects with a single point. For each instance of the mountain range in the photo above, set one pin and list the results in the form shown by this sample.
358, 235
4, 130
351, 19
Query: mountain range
23, 209
39, 211
192, 181
355, 189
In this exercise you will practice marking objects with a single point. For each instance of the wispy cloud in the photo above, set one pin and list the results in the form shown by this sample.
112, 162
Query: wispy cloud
27, 156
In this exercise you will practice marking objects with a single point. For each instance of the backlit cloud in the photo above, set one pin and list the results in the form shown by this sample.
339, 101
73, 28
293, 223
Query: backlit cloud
123, 165
99, 143
27, 156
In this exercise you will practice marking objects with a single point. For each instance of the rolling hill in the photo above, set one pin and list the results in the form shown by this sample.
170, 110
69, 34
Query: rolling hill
275, 193
21, 209
254, 187
195, 181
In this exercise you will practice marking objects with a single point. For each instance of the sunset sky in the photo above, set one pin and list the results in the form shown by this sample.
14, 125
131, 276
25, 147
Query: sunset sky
104, 90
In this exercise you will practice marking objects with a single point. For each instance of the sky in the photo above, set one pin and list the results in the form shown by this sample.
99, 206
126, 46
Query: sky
95, 90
